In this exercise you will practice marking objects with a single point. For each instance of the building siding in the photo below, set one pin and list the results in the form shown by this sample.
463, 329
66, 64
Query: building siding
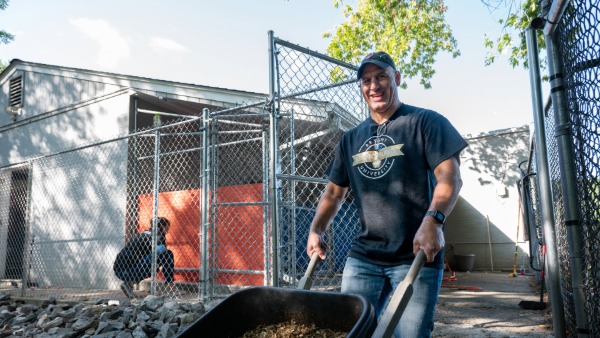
486, 217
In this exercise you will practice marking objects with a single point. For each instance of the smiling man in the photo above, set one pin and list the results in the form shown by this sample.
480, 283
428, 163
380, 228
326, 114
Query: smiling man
402, 164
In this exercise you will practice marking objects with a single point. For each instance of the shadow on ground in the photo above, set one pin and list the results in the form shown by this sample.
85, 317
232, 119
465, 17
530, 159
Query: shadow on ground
486, 304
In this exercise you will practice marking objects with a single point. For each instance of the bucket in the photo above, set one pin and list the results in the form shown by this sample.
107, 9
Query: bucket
249, 308
464, 263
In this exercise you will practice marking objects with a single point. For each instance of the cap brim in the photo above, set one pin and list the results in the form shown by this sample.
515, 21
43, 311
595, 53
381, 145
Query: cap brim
364, 64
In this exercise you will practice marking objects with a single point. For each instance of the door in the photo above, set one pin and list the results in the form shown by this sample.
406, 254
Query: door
14, 221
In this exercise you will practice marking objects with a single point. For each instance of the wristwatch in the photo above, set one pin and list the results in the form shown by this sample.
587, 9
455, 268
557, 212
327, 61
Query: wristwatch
439, 217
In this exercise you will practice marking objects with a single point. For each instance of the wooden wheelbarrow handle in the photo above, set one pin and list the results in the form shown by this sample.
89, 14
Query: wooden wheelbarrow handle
306, 281
397, 304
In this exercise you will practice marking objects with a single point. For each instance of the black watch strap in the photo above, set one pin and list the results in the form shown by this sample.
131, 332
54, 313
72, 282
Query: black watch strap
437, 215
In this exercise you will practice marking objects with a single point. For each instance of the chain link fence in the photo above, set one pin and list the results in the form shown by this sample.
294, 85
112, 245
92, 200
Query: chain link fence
579, 36
577, 40
70, 213
318, 101
239, 186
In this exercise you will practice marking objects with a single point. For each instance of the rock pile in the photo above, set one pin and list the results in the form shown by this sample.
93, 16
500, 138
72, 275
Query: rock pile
150, 317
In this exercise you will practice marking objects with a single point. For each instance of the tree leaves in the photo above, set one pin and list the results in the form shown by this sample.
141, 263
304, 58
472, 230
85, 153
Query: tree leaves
5, 37
413, 32
512, 40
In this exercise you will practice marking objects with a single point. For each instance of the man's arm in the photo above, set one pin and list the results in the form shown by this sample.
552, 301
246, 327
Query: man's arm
430, 236
330, 202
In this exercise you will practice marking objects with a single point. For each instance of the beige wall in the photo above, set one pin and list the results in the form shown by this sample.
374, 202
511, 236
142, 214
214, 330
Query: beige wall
486, 217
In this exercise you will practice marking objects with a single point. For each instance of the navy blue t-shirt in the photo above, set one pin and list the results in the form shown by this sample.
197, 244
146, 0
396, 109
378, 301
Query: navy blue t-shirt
391, 177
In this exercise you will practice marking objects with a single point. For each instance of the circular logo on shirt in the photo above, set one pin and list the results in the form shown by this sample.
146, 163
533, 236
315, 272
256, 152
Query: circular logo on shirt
373, 161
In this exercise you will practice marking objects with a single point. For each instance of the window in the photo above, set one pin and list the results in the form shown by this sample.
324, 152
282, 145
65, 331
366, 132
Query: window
16, 92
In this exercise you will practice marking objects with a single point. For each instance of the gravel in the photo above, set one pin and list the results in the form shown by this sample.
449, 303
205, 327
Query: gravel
481, 304
139, 318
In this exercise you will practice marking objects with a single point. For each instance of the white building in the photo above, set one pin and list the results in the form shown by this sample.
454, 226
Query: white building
48, 110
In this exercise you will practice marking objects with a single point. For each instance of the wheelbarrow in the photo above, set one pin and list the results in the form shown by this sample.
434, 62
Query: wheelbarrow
249, 308
263, 305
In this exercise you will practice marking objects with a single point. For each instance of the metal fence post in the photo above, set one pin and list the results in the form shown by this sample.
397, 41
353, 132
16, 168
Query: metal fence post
568, 181
155, 199
205, 206
543, 176
274, 166
265, 194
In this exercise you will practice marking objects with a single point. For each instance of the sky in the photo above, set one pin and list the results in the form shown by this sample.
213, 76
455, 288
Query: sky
224, 44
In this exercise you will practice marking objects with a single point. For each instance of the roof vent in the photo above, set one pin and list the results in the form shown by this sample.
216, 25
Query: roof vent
15, 97
16, 92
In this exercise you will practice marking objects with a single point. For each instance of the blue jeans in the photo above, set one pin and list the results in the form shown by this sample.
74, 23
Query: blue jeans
377, 283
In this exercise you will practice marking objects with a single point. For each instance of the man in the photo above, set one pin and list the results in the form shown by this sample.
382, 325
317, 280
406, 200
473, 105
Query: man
134, 262
402, 164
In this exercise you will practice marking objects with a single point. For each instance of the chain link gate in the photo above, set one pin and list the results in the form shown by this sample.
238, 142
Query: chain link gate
315, 101
239, 242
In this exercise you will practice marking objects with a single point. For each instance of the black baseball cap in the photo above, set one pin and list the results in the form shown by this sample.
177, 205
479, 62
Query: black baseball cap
381, 59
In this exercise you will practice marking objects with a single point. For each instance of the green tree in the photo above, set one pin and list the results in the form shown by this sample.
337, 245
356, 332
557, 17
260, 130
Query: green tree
5, 37
413, 32
515, 21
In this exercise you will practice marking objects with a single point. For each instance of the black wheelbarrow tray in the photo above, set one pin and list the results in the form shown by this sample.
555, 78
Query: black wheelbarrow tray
249, 308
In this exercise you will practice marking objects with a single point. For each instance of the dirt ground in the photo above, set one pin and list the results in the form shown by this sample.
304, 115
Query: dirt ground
486, 304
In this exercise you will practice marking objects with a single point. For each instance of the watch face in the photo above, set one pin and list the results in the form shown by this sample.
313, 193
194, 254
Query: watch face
437, 215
